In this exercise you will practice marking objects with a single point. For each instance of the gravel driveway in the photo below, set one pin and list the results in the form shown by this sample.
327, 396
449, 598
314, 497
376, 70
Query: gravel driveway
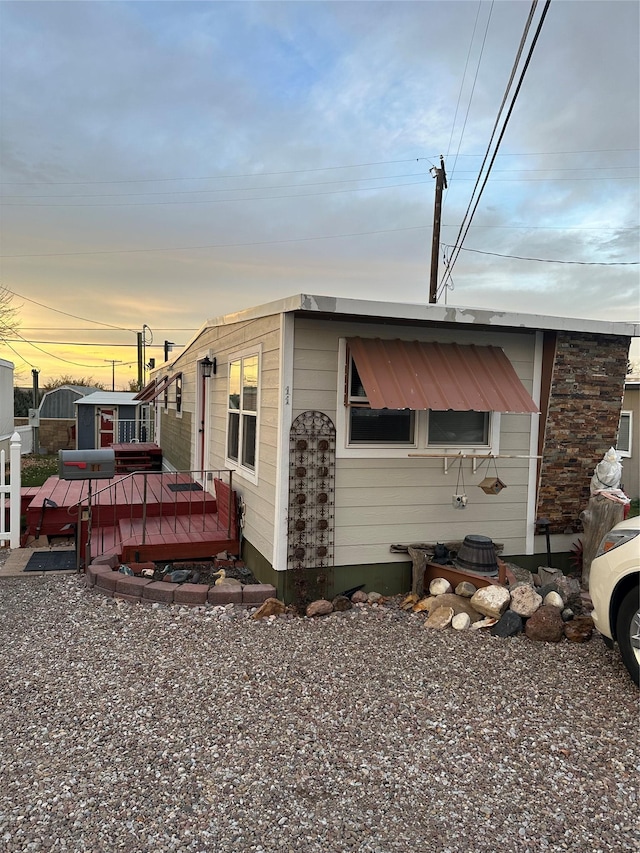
139, 729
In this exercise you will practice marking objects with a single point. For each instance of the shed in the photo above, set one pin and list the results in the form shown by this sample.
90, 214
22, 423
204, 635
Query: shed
105, 418
60, 402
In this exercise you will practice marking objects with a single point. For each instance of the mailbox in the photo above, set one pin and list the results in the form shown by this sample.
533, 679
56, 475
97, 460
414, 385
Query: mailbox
86, 464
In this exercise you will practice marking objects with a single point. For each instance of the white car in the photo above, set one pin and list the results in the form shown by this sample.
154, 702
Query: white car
614, 586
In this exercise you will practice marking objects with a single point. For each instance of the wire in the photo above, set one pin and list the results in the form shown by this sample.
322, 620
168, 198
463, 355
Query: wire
473, 88
16, 353
84, 344
75, 316
551, 261
302, 171
56, 357
220, 245
211, 177
460, 239
299, 240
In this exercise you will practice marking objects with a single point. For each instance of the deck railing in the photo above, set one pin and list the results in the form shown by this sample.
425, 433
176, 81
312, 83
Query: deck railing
10, 509
158, 503
140, 430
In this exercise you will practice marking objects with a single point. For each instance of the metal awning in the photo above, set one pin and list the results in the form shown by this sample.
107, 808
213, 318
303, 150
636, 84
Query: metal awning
416, 375
153, 390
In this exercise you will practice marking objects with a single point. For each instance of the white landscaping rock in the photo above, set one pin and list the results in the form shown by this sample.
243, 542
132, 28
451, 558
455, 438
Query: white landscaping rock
525, 601
461, 621
491, 600
440, 618
440, 586
554, 599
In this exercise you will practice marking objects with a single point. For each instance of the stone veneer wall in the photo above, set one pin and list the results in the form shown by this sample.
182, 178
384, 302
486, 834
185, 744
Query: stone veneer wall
173, 431
587, 385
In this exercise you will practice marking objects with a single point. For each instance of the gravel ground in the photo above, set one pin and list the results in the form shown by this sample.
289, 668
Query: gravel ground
140, 729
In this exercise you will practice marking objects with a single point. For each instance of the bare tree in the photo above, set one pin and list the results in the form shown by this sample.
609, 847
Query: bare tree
8, 315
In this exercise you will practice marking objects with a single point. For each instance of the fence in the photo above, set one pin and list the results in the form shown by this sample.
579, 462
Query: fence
10, 494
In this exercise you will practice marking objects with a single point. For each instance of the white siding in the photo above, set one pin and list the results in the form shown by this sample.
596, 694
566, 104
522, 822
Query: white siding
223, 342
378, 501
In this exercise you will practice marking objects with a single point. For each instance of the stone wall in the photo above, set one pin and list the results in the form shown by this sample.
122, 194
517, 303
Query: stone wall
172, 436
54, 433
587, 384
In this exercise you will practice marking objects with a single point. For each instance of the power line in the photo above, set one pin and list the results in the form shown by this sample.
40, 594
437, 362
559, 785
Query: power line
461, 236
302, 171
297, 240
75, 316
314, 184
550, 260
84, 344
599, 177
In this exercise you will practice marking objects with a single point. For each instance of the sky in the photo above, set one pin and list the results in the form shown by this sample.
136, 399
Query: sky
162, 163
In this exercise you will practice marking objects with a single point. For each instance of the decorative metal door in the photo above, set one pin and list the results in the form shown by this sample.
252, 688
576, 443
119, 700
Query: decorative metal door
312, 453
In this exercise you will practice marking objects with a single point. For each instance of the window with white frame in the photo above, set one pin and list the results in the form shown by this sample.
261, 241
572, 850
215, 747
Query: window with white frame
242, 412
369, 426
623, 445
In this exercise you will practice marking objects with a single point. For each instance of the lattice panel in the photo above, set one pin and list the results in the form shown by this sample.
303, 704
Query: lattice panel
312, 454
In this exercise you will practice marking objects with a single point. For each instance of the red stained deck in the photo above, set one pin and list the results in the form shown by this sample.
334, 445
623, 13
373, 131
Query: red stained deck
138, 516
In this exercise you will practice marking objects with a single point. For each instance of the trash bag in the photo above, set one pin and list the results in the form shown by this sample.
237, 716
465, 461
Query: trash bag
608, 473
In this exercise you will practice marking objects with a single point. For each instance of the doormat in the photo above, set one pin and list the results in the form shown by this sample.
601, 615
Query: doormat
51, 561
185, 487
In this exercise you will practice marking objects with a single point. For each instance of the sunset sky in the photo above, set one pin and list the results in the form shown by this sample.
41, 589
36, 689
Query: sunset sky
165, 163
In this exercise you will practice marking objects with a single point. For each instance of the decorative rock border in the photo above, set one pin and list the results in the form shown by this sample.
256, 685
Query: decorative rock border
104, 578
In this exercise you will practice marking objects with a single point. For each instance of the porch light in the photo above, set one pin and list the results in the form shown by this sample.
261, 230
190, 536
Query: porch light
208, 367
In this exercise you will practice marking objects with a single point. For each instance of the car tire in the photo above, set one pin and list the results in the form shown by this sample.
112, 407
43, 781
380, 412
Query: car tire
628, 626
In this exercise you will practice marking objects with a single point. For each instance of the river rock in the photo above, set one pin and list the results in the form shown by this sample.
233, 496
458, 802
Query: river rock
554, 599
360, 597
342, 603
491, 600
270, 607
466, 589
525, 601
439, 586
439, 618
547, 574
321, 607
545, 625
509, 625
374, 598
461, 621
579, 630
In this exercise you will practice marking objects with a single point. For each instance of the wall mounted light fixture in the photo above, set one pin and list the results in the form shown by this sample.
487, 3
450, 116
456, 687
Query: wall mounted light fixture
209, 367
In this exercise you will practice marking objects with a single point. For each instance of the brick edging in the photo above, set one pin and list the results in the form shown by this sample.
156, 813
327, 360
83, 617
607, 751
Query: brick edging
107, 580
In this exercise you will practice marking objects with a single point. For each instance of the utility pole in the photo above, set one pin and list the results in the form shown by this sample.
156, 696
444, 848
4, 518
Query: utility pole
140, 362
441, 183
113, 362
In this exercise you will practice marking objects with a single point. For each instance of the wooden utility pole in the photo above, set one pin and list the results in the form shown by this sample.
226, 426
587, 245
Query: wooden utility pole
441, 183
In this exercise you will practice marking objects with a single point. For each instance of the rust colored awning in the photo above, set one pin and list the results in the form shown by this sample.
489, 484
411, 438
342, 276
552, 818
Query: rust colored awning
151, 391
416, 375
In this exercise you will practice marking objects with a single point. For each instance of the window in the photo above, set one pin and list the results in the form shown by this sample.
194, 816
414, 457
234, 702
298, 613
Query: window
376, 426
452, 429
242, 412
624, 434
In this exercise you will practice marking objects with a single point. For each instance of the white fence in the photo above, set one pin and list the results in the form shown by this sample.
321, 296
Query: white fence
10, 495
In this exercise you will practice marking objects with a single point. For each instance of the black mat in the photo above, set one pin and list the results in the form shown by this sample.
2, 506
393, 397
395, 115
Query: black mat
185, 487
51, 561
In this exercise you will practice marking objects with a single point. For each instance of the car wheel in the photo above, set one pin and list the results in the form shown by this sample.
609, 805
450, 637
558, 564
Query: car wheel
628, 632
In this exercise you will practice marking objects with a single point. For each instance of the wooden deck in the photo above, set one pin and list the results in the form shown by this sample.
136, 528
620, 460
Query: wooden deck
138, 517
